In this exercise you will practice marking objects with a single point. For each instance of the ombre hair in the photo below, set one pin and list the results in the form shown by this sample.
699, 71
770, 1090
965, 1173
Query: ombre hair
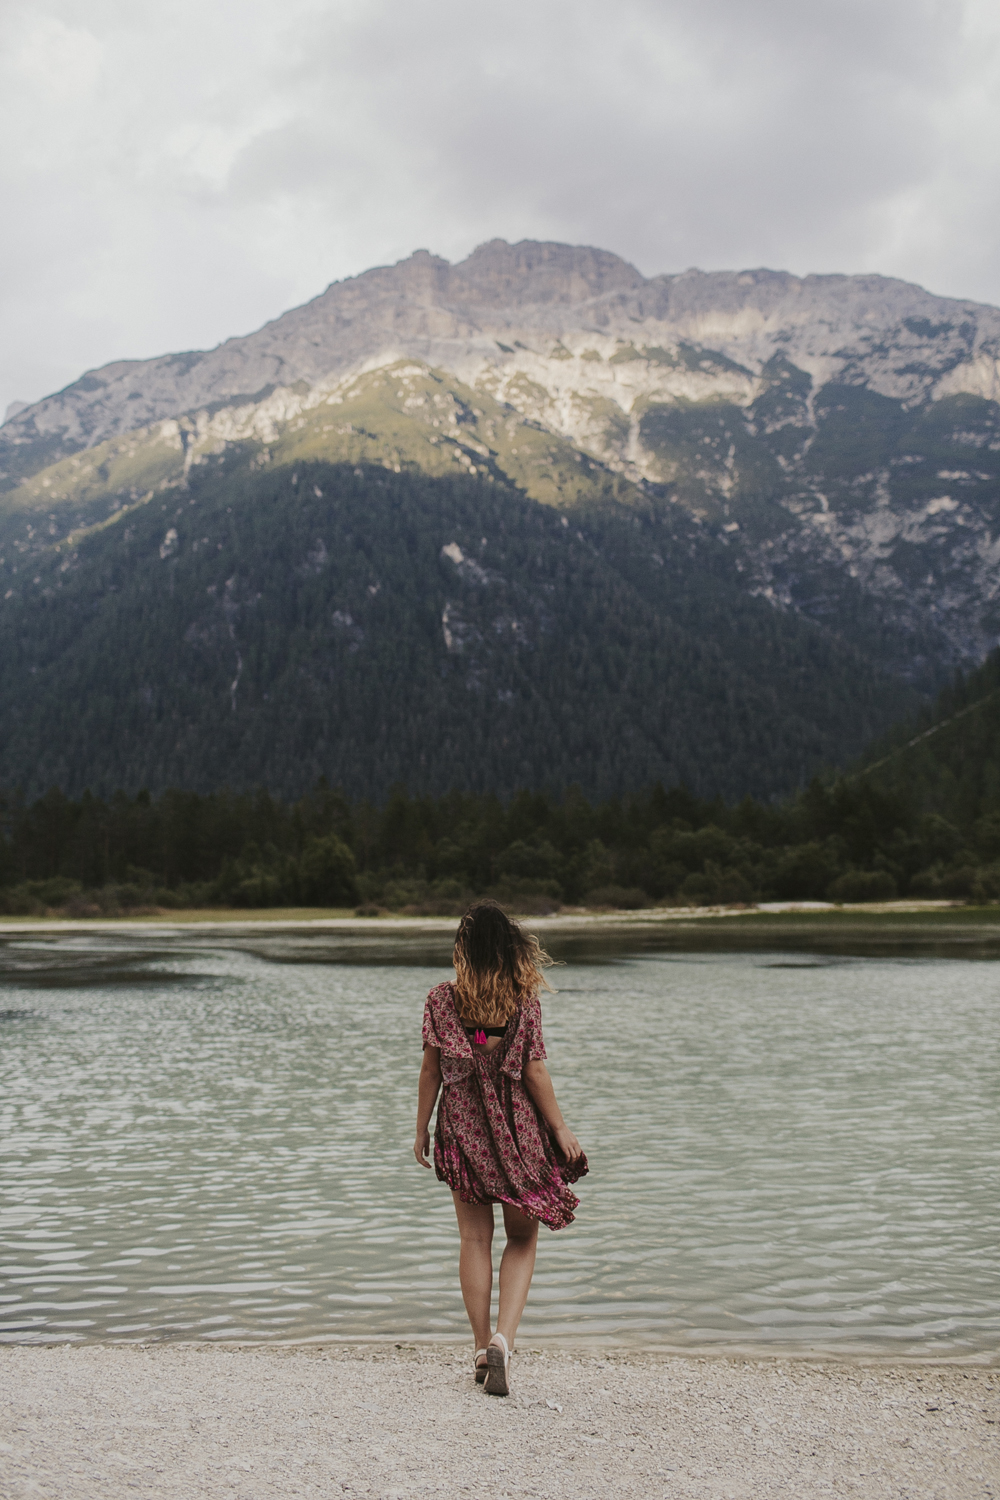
497, 965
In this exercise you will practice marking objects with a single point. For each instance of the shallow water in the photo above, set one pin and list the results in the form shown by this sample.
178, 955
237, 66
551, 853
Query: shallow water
785, 1153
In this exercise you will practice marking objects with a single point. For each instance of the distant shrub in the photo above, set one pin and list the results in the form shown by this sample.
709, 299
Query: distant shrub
986, 833
621, 897
716, 887
805, 873
399, 893
258, 889
863, 885
370, 888
17, 901
327, 873
54, 892
533, 906
450, 890
173, 900
529, 898
81, 907
696, 890
443, 898
961, 883
665, 877
987, 884
522, 861
927, 885
732, 889
596, 870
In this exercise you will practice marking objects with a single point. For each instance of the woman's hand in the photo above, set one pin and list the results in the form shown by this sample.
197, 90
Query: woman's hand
430, 1084
568, 1143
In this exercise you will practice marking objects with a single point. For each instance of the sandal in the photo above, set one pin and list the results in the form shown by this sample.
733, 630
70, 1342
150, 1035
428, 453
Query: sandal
497, 1368
479, 1369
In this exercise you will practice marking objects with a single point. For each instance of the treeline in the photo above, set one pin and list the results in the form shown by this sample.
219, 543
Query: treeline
849, 841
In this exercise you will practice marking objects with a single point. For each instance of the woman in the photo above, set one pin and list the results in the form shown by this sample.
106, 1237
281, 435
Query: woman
500, 1135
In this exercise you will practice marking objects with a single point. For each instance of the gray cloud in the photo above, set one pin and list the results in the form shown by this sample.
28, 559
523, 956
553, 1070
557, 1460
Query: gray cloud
174, 174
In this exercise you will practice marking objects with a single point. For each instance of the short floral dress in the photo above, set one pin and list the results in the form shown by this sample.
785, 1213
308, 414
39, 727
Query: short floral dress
491, 1145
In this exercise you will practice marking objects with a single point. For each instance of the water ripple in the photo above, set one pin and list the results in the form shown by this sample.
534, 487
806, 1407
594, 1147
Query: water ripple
216, 1145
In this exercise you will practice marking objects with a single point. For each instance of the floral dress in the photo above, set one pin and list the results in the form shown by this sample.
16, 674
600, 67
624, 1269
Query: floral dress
491, 1145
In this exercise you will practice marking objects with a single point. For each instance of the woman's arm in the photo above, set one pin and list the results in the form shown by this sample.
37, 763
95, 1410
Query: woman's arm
430, 1083
539, 1086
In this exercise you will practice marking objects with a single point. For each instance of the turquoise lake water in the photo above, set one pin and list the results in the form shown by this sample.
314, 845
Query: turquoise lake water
786, 1153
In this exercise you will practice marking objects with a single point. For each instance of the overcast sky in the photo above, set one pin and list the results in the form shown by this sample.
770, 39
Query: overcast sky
179, 171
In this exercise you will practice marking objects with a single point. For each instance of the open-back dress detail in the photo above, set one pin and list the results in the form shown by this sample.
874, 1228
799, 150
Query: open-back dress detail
491, 1145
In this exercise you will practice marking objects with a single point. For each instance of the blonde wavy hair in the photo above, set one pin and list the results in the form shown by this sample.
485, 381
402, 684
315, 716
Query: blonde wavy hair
497, 966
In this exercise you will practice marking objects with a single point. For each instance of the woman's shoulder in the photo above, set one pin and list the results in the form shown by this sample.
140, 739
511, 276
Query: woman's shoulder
528, 1015
442, 1027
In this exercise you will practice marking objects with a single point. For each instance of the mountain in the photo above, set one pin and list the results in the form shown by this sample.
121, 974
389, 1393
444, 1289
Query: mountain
788, 470
270, 627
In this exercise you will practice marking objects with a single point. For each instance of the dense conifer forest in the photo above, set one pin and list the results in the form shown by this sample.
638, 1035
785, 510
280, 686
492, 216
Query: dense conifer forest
266, 627
921, 817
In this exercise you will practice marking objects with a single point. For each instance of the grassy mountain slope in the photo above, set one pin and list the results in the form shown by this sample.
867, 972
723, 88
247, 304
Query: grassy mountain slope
404, 416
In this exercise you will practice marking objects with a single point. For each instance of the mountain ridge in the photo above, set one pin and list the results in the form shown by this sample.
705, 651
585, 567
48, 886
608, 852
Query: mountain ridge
704, 307
823, 449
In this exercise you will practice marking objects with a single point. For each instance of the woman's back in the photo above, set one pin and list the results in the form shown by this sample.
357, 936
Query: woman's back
500, 1136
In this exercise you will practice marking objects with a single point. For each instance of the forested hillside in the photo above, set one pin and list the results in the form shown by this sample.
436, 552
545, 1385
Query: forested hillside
946, 761
265, 627
923, 819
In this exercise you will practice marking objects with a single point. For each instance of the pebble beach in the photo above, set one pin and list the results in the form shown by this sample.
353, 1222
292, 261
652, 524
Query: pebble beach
99, 1422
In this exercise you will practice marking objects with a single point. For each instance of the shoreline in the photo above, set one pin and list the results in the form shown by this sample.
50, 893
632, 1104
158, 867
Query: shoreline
585, 1345
893, 930
338, 920
107, 1422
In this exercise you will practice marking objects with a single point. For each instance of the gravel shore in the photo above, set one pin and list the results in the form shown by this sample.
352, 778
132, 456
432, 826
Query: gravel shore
194, 1422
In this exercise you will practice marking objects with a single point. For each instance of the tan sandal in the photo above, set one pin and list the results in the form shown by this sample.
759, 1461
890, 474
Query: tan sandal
479, 1369
497, 1368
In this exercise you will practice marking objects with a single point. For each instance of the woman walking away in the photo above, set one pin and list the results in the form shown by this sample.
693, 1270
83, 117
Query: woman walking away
500, 1136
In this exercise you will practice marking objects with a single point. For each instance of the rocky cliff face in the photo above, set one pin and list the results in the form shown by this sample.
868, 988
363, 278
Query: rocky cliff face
841, 435
892, 338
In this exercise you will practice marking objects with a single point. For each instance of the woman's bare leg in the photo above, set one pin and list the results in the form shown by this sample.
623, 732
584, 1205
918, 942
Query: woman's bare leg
475, 1265
516, 1268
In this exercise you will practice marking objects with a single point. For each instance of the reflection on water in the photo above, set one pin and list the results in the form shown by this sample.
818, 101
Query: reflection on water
202, 1143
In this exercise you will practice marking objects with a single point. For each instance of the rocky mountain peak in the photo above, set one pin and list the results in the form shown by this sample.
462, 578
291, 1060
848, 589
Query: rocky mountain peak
534, 273
534, 303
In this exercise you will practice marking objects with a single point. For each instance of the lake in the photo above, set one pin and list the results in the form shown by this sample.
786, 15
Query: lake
788, 1153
